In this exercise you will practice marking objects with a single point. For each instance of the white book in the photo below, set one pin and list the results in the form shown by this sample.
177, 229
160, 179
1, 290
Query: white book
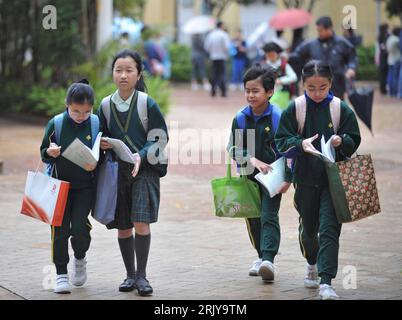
121, 150
327, 150
273, 180
78, 153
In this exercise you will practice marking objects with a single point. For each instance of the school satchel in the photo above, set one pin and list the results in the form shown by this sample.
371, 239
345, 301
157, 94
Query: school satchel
236, 197
353, 188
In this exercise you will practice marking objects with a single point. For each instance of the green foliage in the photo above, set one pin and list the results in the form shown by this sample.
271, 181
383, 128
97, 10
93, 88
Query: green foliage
367, 69
46, 101
394, 8
180, 56
159, 90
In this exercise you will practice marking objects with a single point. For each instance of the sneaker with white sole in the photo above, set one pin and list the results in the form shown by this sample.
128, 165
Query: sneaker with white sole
327, 292
79, 275
62, 285
311, 279
267, 271
254, 268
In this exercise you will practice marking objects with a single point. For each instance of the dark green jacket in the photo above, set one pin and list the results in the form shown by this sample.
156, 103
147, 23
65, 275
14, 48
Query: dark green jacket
136, 138
309, 169
264, 149
65, 169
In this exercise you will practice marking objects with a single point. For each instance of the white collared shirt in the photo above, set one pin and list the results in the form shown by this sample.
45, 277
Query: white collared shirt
121, 105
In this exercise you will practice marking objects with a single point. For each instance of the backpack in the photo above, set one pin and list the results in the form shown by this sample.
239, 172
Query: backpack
142, 109
301, 108
58, 124
275, 117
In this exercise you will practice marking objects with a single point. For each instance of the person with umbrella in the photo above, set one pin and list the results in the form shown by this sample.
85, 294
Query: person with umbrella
332, 49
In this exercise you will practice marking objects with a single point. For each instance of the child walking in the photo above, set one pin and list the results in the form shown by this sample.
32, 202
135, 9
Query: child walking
319, 229
286, 81
138, 193
76, 122
261, 117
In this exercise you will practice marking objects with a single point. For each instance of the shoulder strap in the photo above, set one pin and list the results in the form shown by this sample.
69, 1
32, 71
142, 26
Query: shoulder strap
283, 66
94, 127
58, 123
335, 109
142, 107
105, 106
241, 120
276, 117
301, 106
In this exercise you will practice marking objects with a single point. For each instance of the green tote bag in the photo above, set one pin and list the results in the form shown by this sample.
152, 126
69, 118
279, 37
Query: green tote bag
236, 197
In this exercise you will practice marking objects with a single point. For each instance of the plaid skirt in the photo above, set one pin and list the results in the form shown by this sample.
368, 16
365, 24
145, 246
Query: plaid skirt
137, 198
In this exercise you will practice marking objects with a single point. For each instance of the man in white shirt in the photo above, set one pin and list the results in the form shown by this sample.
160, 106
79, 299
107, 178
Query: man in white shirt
217, 44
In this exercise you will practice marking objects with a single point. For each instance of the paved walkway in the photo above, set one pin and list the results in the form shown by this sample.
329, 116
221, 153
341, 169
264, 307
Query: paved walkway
195, 255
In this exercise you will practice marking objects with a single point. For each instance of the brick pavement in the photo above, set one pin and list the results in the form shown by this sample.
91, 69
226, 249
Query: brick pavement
195, 255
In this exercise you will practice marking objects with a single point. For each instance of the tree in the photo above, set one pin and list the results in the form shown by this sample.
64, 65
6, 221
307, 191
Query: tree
217, 7
301, 4
394, 8
130, 8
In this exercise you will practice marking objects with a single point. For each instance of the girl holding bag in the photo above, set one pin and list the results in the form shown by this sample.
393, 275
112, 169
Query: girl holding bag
76, 122
319, 229
138, 188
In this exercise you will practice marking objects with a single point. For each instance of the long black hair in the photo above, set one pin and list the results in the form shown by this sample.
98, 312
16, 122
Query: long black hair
80, 92
140, 85
316, 68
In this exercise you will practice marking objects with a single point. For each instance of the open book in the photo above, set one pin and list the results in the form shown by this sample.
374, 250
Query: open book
327, 151
78, 153
121, 150
273, 180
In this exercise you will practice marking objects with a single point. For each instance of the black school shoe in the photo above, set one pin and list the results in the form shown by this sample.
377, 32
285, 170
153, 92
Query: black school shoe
128, 285
143, 287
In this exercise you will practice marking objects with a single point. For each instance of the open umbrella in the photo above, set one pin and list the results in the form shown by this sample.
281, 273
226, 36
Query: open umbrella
290, 18
362, 101
199, 24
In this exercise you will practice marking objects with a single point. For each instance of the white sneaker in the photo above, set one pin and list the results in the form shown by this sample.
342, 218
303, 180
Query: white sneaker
267, 271
194, 86
207, 86
327, 292
255, 267
79, 276
62, 285
311, 279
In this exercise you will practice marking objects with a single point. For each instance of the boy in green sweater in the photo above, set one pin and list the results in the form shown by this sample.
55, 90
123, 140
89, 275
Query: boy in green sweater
259, 120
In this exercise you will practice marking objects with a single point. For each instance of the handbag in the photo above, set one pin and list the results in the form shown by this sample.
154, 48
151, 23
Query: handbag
106, 191
237, 197
45, 198
353, 188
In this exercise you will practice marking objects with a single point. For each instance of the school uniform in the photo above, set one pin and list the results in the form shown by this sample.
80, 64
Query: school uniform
80, 197
264, 232
137, 198
312, 198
